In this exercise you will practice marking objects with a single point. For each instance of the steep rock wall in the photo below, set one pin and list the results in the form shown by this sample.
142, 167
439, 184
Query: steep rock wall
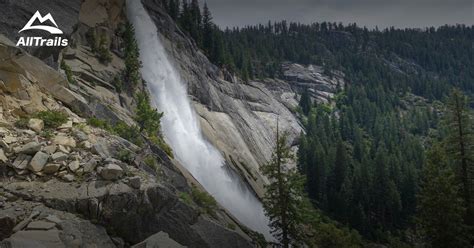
239, 118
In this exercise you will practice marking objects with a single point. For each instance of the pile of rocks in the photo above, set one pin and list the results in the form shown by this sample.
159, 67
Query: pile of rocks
32, 224
73, 151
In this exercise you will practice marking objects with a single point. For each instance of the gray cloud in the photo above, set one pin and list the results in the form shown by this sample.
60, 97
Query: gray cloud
370, 13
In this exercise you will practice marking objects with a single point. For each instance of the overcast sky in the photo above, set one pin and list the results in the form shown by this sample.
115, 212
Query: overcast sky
383, 13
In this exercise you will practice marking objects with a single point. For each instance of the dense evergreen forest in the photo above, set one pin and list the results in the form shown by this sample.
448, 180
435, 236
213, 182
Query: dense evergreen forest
392, 157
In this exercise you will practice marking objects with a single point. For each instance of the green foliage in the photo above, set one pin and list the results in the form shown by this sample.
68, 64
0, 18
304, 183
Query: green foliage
440, 209
118, 83
22, 123
52, 118
151, 162
204, 200
130, 133
68, 71
186, 198
284, 197
231, 226
98, 123
103, 51
363, 55
91, 38
459, 145
329, 235
47, 133
360, 156
146, 116
305, 102
99, 46
125, 155
132, 56
158, 140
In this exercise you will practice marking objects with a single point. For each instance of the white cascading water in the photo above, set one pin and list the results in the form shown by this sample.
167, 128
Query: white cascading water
181, 129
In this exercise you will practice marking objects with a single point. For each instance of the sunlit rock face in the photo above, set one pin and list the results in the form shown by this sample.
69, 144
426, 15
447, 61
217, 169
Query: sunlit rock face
181, 127
239, 118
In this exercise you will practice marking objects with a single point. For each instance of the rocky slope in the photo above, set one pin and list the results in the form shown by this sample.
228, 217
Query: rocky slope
240, 118
78, 185
72, 185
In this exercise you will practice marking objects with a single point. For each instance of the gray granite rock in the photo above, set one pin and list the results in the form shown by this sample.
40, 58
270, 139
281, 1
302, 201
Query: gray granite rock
111, 172
38, 161
21, 162
30, 148
40, 225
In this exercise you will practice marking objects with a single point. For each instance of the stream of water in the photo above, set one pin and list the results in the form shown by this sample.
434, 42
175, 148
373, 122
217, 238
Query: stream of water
180, 126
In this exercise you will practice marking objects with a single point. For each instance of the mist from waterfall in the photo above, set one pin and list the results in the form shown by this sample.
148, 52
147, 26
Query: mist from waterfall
181, 128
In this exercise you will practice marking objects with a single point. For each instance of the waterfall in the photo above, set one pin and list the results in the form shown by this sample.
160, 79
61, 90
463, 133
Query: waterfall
181, 129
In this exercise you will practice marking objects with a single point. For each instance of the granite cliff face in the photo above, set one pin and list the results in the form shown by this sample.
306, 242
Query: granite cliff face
111, 202
240, 118
78, 185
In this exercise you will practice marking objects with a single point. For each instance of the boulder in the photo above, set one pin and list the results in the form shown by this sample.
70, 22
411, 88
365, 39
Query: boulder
51, 168
111, 172
50, 149
38, 161
101, 148
86, 144
90, 165
29, 148
135, 182
64, 149
81, 136
36, 238
68, 177
21, 162
36, 125
40, 225
67, 125
9, 139
64, 140
59, 157
73, 166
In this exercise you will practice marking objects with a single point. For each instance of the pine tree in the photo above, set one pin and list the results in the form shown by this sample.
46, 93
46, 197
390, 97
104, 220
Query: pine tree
173, 9
147, 117
440, 206
207, 29
305, 102
284, 201
195, 22
460, 145
184, 19
132, 56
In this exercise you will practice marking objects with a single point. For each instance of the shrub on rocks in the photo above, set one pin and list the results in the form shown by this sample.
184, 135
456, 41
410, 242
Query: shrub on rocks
22, 123
52, 118
204, 200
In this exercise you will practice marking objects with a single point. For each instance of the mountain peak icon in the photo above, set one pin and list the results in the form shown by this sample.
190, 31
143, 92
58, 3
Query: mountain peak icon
41, 19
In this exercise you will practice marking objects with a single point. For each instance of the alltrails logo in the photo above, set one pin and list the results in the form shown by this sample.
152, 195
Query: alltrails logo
40, 41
